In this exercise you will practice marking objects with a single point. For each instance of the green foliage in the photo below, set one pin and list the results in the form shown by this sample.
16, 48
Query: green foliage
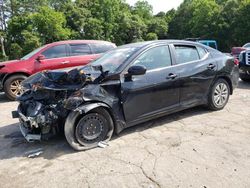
26, 25
94, 29
151, 36
15, 51
226, 21
31, 41
50, 25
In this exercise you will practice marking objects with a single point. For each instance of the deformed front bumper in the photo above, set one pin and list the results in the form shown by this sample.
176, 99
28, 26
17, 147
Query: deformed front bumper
24, 126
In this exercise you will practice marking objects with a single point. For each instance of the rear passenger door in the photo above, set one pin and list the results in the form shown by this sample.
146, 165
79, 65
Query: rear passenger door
197, 71
80, 54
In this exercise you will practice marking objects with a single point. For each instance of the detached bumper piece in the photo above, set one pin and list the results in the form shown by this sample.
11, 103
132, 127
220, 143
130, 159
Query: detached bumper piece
25, 127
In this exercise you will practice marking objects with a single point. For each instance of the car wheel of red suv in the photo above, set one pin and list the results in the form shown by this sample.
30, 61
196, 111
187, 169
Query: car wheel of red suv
12, 86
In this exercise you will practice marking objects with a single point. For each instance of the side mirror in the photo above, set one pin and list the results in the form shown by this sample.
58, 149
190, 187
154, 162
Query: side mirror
137, 70
40, 58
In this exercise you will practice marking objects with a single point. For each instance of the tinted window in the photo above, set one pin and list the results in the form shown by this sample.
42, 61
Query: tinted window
154, 58
202, 52
212, 45
79, 49
101, 48
186, 54
55, 52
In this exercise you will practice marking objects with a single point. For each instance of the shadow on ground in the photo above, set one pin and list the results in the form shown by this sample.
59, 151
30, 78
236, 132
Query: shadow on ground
3, 98
244, 85
13, 143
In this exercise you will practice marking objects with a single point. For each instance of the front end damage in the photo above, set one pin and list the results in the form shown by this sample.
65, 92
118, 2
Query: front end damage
43, 107
40, 119
51, 97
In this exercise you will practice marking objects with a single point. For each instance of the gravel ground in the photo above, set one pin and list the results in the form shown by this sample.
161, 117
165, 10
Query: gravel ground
193, 148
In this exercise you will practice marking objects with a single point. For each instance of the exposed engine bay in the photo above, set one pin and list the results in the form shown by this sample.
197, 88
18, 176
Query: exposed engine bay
41, 112
49, 98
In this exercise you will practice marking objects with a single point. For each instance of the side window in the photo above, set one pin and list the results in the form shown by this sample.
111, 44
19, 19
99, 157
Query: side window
212, 45
101, 48
158, 57
186, 54
79, 49
202, 52
55, 52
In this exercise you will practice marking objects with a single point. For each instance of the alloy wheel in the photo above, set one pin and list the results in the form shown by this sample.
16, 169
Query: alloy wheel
221, 94
16, 87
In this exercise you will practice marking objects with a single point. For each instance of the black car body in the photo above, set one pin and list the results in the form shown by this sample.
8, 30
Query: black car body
244, 65
126, 86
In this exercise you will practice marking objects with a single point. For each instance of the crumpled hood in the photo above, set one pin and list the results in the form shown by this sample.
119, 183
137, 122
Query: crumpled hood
56, 80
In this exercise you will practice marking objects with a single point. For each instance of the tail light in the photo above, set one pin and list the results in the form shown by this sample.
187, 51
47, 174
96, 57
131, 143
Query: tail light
236, 61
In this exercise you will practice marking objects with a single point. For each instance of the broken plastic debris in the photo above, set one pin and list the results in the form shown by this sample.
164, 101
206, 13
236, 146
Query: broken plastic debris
34, 153
103, 144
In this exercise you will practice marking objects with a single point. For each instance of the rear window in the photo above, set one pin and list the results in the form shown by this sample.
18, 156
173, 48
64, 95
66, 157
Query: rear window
79, 49
101, 48
202, 52
213, 45
186, 54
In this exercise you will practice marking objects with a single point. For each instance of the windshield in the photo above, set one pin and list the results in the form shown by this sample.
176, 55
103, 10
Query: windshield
112, 60
32, 53
247, 45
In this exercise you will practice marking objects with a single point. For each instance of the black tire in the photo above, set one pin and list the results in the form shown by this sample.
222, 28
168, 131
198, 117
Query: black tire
222, 96
75, 123
244, 77
14, 80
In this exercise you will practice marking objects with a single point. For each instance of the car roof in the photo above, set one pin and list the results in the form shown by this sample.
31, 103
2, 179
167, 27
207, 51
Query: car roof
80, 41
207, 41
155, 42
247, 44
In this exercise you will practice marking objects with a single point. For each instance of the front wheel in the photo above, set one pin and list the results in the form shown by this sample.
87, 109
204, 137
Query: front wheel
219, 95
86, 131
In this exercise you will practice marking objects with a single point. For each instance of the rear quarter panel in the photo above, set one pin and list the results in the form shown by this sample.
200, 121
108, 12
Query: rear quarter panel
227, 69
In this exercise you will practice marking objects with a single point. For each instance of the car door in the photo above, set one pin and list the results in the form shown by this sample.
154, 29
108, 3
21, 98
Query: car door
157, 91
197, 71
81, 54
55, 57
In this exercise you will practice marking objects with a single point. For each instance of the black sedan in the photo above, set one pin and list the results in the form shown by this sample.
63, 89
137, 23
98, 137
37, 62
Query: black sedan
126, 86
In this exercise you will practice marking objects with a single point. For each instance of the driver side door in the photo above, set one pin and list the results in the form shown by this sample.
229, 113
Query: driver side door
157, 91
56, 57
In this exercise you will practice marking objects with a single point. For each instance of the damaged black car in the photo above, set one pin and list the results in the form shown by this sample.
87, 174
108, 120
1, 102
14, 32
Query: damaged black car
126, 86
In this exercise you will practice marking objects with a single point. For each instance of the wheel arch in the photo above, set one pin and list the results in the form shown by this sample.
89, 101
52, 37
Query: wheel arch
74, 117
228, 80
14, 74
85, 108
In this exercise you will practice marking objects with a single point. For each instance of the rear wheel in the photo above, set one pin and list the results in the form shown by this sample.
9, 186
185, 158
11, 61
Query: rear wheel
85, 132
219, 95
13, 87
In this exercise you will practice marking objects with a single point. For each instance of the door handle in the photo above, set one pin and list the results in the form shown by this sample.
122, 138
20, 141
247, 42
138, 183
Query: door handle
65, 62
171, 76
211, 66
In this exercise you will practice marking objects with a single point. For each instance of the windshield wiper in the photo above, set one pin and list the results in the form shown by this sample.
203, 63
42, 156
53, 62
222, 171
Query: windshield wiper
103, 73
100, 68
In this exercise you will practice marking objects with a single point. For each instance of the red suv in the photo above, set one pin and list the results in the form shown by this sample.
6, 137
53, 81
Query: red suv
51, 56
